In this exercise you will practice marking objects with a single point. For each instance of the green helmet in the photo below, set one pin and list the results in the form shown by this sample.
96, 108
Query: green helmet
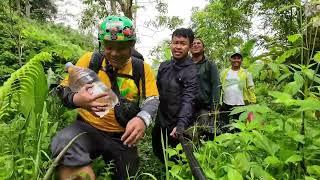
116, 28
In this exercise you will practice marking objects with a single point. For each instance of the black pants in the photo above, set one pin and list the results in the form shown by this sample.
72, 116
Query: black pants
93, 144
204, 124
225, 116
156, 140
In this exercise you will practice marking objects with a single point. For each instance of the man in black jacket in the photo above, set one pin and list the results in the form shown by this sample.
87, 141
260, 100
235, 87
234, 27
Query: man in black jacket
178, 87
209, 89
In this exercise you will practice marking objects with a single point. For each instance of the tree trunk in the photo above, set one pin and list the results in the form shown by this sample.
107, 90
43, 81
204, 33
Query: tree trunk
18, 4
28, 7
126, 7
113, 7
135, 14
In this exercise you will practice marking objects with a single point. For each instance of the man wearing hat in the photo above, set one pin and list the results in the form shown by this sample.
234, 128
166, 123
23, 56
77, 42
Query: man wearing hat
237, 88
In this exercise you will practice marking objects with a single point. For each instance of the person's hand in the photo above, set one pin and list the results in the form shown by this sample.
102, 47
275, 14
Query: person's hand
173, 132
177, 131
86, 100
134, 131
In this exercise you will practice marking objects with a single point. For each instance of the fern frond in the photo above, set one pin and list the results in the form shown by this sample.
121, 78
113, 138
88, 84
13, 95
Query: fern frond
26, 90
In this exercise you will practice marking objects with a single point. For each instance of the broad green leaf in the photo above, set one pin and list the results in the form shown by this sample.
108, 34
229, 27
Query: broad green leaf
293, 87
239, 125
311, 75
272, 160
316, 142
253, 107
308, 104
284, 153
245, 137
255, 69
178, 147
294, 158
171, 152
296, 136
298, 78
259, 173
314, 169
175, 169
283, 77
234, 174
210, 173
309, 178
275, 68
285, 68
241, 162
264, 143
286, 55
293, 38
316, 57
224, 137
283, 98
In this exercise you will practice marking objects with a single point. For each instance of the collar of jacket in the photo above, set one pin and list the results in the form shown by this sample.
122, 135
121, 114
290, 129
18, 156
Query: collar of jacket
204, 59
187, 61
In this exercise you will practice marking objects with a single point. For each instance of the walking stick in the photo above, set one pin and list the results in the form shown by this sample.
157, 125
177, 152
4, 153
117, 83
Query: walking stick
196, 169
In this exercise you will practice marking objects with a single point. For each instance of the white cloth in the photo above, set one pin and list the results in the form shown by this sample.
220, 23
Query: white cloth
233, 93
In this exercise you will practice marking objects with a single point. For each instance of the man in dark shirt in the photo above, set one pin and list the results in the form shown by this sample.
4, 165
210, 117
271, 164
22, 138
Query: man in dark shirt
178, 87
209, 89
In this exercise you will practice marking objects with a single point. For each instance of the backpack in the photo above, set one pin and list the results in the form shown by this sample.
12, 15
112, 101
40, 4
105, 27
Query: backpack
125, 110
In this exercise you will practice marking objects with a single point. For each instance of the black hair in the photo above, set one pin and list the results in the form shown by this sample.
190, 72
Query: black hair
184, 32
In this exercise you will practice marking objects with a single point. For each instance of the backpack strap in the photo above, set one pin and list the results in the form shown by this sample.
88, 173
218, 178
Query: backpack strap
96, 61
138, 74
137, 71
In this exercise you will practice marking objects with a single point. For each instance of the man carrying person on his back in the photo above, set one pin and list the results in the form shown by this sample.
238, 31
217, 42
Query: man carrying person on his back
238, 88
209, 90
178, 87
115, 135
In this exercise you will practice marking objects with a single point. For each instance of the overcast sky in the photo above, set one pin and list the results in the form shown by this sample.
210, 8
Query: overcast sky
70, 13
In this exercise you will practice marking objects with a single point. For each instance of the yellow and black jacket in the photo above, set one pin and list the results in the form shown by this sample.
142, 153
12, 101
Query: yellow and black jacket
127, 88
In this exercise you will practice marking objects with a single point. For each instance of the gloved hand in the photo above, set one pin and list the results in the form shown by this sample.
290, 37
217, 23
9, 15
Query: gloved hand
177, 131
180, 130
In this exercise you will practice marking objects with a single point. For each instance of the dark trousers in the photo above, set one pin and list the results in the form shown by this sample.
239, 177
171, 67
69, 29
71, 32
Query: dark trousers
204, 124
156, 141
225, 117
93, 144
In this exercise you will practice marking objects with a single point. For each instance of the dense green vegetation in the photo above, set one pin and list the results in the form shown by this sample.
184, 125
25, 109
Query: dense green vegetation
32, 55
282, 142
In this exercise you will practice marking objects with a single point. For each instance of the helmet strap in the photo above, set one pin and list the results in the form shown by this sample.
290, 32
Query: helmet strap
99, 46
